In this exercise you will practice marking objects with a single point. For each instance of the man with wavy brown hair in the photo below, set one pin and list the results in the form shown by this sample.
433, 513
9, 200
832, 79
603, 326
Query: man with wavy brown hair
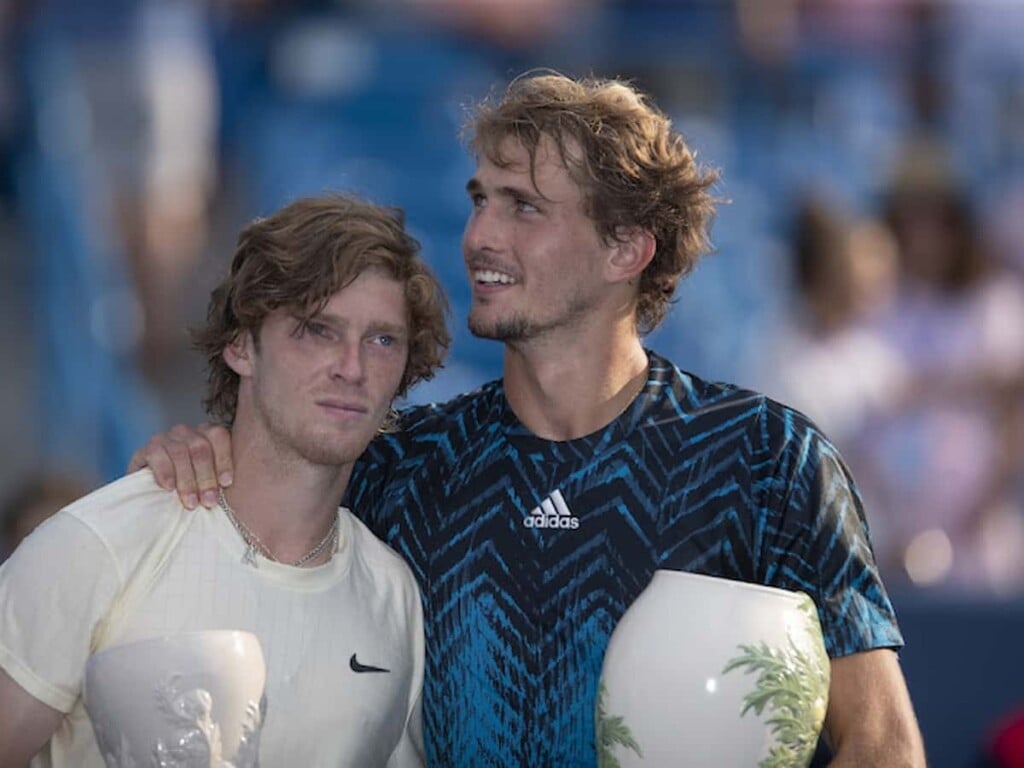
535, 509
298, 258
326, 315
633, 171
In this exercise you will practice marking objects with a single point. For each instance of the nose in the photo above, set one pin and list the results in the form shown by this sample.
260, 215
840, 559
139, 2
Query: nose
348, 364
482, 233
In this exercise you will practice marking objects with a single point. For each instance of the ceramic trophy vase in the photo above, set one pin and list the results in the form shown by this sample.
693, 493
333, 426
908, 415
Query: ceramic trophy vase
704, 671
180, 701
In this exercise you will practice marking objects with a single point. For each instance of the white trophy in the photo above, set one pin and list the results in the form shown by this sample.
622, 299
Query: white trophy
705, 671
193, 700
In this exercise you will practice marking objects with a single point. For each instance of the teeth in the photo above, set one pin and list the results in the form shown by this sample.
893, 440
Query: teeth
490, 276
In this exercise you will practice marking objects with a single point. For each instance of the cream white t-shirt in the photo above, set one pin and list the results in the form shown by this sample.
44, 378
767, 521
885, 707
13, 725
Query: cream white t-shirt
57, 592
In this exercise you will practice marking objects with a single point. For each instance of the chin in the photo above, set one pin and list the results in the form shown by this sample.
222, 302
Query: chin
511, 330
332, 453
327, 458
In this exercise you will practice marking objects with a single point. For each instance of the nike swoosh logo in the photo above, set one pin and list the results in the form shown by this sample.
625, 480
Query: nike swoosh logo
357, 667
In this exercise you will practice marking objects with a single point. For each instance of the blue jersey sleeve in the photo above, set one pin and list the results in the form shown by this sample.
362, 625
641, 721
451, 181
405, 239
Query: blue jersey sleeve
816, 536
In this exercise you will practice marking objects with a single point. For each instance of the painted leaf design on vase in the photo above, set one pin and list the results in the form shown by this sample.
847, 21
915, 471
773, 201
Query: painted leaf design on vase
612, 731
792, 685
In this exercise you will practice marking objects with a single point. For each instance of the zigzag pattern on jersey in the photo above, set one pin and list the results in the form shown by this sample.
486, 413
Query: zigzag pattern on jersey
694, 476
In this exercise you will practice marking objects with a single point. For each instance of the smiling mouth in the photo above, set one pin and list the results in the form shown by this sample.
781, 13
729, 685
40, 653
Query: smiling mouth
492, 277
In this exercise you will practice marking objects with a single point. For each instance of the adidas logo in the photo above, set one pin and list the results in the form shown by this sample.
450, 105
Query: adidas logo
552, 513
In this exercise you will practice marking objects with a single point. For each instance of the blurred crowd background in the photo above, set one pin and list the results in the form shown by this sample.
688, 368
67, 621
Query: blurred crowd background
869, 264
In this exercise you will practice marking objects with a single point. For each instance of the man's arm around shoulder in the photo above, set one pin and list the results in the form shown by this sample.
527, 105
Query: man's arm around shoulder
870, 719
27, 724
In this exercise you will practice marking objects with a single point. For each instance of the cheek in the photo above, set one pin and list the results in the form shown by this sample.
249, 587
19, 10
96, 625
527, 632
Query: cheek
396, 377
387, 373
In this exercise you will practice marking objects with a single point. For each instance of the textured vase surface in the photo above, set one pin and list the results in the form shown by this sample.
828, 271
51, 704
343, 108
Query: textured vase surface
704, 671
180, 701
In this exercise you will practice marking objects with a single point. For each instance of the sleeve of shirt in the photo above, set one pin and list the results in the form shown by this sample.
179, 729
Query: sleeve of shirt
409, 752
54, 590
818, 540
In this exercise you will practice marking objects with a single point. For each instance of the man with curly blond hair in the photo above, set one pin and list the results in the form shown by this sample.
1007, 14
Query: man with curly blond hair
326, 315
537, 508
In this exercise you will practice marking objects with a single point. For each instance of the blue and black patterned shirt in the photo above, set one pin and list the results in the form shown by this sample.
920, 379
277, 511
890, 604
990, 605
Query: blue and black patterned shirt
529, 551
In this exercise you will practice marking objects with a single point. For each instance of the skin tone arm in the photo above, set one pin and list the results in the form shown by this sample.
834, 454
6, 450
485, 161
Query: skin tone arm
870, 720
27, 724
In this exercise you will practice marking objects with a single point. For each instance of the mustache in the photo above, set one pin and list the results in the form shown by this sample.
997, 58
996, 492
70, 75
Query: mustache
479, 261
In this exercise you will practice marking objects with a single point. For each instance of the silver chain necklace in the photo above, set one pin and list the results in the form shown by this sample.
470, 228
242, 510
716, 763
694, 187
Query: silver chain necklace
253, 545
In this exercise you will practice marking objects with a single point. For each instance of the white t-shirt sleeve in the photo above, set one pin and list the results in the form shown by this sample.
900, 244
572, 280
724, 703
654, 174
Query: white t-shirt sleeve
409, 752
54, 590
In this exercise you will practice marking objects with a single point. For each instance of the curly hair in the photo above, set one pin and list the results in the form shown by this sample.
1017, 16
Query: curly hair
633, 169
297, 259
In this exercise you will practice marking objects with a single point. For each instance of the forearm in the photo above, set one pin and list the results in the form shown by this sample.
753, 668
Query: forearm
898, 749
870, 720
26, 724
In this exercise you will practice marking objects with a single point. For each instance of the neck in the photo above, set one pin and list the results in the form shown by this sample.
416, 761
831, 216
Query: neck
290, 504
568, 389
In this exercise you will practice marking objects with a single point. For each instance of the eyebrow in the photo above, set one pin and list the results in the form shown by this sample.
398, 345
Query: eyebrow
474, 186
381, 326
392, 328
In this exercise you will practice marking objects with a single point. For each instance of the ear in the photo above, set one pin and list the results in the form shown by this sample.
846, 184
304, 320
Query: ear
239, 354
631, 253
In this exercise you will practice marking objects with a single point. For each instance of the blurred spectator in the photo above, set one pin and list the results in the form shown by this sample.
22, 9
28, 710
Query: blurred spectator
506, 23
168, 227
948, 457
34, 500
829, 359
136, 77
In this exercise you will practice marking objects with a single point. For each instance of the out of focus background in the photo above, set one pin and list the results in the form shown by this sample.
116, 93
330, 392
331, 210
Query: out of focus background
869, 264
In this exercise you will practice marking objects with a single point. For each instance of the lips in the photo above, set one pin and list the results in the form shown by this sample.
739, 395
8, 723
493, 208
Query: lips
486, 273
342, 407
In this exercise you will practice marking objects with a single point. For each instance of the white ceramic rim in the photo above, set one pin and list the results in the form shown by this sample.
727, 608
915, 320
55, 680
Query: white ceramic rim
792, 594
171, 637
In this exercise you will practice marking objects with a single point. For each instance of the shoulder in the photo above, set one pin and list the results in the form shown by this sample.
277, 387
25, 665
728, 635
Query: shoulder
727, 410
381, 560
127, 514
59, 586
692, 397
422, 427
434, 417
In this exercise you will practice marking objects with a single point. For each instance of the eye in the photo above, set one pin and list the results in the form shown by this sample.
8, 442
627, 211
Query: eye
385, 340
477, 199
524, 206
314, 329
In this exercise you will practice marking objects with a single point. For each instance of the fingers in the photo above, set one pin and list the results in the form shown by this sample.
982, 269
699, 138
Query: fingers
178, 446
154, 455
189, 460
210, 452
